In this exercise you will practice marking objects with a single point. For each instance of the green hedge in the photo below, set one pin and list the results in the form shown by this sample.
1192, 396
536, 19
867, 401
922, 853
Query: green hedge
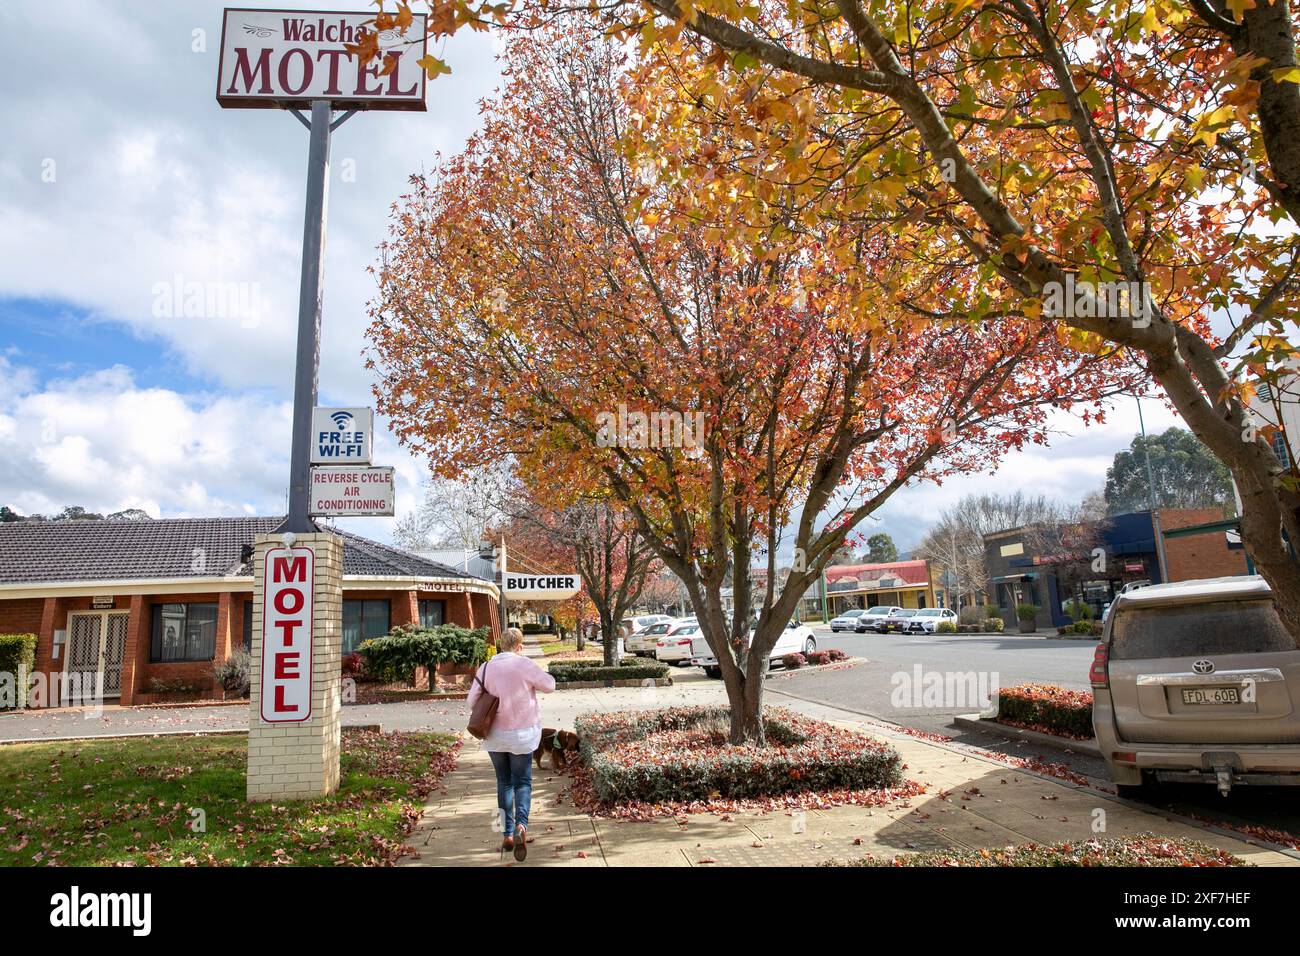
566, 672
17, 658
639, 756
396, 656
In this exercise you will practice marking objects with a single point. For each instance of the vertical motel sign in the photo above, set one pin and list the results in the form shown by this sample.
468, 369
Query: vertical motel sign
286, 634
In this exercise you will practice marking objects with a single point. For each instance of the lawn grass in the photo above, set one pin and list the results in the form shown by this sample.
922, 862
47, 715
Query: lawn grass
129, 802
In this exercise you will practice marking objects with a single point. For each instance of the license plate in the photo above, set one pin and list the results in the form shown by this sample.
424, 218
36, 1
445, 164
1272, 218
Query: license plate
1212, 695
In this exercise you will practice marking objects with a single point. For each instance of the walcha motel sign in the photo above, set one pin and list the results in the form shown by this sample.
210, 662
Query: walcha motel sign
297, 60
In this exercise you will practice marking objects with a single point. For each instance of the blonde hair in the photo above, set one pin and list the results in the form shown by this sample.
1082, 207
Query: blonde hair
512, 639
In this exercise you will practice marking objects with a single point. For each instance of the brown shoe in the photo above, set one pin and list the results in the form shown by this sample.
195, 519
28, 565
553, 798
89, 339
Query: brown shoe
521, 844
508, 843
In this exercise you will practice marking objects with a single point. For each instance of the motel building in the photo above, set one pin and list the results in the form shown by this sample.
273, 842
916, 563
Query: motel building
154, 605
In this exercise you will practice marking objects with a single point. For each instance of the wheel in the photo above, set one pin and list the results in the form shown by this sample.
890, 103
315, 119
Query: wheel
714, 672
809, 646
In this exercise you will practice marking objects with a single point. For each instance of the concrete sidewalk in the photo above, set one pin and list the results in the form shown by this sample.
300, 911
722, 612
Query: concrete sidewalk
970, 802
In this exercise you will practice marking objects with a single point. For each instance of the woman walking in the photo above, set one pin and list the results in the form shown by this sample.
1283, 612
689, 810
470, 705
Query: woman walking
516, 731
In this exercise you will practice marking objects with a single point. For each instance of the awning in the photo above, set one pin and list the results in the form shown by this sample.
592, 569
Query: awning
1013, 578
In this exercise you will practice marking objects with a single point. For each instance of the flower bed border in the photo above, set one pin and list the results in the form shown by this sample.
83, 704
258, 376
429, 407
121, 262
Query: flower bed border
1047, 709
807, 757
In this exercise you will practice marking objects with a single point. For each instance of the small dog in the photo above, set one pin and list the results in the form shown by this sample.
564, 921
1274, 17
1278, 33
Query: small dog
559, 744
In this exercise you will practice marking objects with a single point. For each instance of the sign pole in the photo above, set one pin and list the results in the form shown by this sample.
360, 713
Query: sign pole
309, 318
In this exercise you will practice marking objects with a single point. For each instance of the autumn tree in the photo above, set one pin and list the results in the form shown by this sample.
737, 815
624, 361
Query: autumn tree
592, 533
1131, 167
545, 297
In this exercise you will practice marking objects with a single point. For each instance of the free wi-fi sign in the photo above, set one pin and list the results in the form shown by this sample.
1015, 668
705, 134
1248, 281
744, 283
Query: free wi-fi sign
341, 436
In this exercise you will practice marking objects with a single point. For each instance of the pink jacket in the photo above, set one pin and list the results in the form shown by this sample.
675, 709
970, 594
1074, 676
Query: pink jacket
515, 680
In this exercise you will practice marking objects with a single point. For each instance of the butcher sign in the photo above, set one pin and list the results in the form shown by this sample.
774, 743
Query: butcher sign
287, 635
541, 587
287, 58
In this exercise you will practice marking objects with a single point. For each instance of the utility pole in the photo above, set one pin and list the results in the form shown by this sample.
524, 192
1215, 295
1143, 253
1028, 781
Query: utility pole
1151, 498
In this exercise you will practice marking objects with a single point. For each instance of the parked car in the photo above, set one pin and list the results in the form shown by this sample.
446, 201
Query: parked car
795, 639
896, 619
1196, 682
848, 621
642, 643
874, 618
927, 619
674, 645
1131, 586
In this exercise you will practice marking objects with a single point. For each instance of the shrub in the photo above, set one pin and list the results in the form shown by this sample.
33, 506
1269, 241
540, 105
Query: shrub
792, 661
17, 657
945, 627
173, 685
1082, 627
353, 664
994, 624
234, 674
681, 754
818, 657
1078, 610
396, 656
1026, 612
567, 672
1097, 628
1047, 708
837, 654
971, 614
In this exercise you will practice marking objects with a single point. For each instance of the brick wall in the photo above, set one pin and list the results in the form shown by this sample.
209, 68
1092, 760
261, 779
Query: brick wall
1201, 555
22, 616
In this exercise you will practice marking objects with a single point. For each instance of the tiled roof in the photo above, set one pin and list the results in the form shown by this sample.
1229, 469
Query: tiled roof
51, 551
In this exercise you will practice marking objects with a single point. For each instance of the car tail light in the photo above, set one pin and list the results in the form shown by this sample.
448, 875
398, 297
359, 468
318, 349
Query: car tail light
1125, 757
660, 644
1097, 672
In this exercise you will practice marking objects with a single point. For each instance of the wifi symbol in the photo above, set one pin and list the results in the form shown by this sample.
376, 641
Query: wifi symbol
341, 420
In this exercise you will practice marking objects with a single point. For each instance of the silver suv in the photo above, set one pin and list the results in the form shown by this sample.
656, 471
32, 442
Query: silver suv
1197, 682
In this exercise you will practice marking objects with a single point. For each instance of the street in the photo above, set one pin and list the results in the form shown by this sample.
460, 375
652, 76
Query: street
868, 688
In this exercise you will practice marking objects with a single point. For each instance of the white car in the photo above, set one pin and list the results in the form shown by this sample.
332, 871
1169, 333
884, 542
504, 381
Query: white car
642, 643
848, 621
928, 619
631, 627
795, 639
674, 646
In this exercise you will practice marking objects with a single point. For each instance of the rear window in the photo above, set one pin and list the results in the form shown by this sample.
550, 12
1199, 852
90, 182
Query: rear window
1218, 627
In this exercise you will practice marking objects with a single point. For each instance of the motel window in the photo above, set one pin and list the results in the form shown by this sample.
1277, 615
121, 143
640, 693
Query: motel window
183, 632
363, 620
433, 613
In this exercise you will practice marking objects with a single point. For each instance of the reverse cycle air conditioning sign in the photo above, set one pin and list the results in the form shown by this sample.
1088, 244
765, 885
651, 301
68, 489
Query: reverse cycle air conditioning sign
541, 587
340, 492
272, 58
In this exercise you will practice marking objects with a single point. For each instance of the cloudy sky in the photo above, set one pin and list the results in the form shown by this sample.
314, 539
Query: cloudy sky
123, 187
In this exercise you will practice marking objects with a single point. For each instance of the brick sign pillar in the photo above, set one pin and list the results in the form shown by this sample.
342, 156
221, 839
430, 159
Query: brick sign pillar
295, 719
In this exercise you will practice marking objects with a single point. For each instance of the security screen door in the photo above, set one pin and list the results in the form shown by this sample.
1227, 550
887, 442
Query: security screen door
96, 641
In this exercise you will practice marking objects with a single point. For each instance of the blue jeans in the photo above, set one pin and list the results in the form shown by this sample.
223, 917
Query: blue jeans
514, 788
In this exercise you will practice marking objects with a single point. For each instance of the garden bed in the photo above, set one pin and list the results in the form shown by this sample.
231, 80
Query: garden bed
1144, 850
1047, 709
678, 760
596, 674
125, 802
